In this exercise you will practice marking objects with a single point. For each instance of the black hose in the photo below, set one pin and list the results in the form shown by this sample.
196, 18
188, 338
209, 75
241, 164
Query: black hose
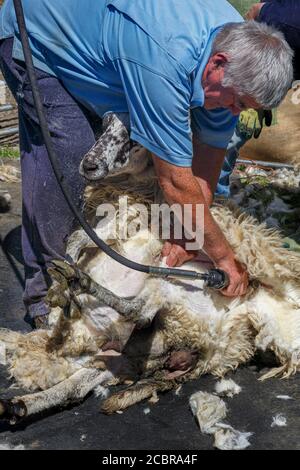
60, 179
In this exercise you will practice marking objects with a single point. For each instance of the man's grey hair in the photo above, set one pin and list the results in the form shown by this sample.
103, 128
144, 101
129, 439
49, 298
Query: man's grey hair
260, 61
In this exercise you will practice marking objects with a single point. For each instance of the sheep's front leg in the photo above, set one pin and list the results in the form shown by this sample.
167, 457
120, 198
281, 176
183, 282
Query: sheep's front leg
71, 281
71, 390
77, 242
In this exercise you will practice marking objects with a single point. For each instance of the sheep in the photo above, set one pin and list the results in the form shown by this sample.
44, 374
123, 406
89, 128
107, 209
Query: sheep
110, 325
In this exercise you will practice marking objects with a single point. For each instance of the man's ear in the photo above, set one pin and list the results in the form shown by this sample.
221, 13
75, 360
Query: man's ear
220, 59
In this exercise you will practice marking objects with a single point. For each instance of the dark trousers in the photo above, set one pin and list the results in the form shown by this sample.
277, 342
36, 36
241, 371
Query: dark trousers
46, 221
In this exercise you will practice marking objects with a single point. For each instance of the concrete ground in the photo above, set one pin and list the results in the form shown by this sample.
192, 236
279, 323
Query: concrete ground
169, 425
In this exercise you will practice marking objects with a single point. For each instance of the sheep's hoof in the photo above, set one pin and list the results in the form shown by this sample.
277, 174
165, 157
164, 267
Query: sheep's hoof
64, 279
70, 276
68, 271
58, 294
13, 411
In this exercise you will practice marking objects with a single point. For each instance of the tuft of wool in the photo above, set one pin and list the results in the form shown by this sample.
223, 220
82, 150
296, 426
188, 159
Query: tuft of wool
228, 438
208, 410
7, 446
227, 388
279, 421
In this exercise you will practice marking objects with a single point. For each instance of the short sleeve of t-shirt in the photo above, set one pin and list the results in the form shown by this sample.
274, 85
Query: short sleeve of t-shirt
160, 116
213, 127
159, 112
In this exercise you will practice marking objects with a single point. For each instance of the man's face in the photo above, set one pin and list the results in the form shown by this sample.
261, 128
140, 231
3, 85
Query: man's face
216, 95
229, 99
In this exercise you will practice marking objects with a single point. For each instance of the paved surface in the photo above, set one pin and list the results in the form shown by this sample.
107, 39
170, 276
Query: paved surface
169, 425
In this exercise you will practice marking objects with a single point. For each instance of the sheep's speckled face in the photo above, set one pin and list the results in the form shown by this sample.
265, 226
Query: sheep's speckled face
114, 153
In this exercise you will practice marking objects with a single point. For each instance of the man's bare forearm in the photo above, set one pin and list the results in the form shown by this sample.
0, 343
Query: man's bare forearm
207, 165
180, 186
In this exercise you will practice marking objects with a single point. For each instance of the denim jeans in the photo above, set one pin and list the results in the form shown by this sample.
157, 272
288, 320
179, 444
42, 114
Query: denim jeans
236, 143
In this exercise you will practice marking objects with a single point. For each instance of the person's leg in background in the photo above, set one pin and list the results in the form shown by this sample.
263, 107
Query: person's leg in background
232, 154
47, 220
251, 123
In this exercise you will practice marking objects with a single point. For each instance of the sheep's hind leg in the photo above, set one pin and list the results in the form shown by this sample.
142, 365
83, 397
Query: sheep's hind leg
71, 390
136, 393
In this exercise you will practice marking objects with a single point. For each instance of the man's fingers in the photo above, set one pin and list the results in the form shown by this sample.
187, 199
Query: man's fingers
172, 260
254, 11
166, 249
230, 292
268, 116
250, 15
175, 256
178, 256
257, 132
237, 287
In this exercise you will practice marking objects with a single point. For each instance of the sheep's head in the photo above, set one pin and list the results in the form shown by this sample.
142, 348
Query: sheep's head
114, 153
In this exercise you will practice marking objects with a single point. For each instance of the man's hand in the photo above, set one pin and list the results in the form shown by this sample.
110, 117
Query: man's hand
251, 122
238, 277
181, 186
254, 11
176, 254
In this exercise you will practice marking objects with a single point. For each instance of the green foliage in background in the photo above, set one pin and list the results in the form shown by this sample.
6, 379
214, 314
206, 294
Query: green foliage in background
9, 152
242, 5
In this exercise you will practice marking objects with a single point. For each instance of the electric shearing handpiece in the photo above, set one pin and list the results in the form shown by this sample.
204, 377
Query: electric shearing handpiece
214, 278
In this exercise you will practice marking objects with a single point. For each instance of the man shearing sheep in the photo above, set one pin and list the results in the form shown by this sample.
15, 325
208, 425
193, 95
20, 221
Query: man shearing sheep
183, 69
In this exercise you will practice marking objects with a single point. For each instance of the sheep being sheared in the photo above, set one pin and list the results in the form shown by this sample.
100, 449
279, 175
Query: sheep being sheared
98, 303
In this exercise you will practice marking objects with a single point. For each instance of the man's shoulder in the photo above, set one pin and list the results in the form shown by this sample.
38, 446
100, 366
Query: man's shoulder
181, 28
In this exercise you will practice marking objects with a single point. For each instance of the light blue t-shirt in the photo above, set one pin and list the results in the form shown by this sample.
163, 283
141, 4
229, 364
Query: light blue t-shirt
142, 56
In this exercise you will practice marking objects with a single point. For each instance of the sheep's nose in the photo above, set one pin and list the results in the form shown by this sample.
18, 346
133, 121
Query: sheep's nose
89, 165
93, 170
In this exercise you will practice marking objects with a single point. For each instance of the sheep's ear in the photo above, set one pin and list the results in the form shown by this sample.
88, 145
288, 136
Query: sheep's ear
124, 118
108, 120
